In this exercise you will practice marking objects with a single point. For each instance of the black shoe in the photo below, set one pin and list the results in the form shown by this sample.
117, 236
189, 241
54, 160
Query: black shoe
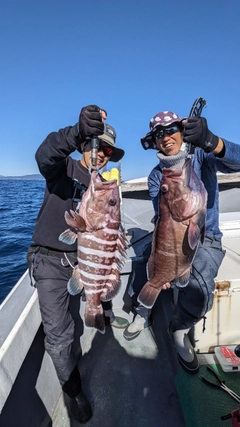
118, 322
190, 367
80, 408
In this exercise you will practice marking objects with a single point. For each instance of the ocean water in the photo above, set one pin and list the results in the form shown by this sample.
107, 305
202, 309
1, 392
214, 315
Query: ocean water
20, 201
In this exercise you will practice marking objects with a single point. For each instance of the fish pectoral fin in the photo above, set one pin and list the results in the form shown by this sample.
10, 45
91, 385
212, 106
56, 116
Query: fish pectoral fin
75, 220
193, 235
68, 236
75, 285
94, 318
148, 295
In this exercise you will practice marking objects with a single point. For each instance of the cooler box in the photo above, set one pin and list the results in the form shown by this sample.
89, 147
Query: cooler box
227, 358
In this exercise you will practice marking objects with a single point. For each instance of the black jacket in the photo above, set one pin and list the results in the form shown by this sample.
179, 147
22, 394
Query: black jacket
63, 178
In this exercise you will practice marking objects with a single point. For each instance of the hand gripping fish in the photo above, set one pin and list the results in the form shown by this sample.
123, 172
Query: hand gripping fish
180, 227
101, 247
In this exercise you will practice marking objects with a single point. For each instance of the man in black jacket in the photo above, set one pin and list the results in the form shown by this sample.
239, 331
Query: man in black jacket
66, 181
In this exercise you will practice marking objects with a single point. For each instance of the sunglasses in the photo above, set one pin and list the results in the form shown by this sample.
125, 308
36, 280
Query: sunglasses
167, 131
107, 151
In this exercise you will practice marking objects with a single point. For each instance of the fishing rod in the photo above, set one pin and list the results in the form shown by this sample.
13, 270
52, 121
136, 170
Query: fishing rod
95, 141
195, 111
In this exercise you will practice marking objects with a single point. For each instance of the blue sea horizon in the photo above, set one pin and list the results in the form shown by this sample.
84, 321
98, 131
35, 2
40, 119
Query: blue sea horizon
20, 201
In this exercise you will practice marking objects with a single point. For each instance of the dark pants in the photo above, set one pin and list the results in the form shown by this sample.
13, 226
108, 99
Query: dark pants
60, 316
196, 299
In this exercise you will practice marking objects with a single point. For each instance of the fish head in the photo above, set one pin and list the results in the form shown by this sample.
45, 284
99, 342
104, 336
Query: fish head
174, 189
100, 205
182, 191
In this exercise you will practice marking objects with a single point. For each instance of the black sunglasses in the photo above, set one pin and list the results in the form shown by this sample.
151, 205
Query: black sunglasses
168, 131
107, 151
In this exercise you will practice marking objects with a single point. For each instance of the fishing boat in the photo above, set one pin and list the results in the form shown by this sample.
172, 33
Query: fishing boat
135, 383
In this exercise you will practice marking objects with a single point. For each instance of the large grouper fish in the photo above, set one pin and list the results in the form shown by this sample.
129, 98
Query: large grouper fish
101, 247
178, 231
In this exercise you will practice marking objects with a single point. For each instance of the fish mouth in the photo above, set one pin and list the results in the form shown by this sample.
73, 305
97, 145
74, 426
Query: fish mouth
96, 176
96, 179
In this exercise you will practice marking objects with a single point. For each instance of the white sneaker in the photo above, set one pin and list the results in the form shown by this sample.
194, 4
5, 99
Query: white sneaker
136, 327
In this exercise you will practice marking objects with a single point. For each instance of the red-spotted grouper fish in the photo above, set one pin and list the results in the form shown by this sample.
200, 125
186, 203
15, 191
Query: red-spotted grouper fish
101, 247
178, 231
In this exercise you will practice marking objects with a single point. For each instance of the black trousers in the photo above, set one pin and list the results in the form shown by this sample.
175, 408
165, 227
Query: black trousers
61, 320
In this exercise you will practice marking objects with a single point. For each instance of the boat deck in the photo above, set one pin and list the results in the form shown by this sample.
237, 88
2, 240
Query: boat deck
130, 383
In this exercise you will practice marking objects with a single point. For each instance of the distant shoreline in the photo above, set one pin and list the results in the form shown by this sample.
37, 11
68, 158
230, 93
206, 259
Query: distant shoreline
33, 177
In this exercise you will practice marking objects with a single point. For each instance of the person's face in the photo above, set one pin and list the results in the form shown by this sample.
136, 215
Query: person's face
169, 139
104, 154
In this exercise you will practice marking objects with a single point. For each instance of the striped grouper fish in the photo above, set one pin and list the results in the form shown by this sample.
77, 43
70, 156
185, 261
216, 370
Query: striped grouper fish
101, 247
178, 231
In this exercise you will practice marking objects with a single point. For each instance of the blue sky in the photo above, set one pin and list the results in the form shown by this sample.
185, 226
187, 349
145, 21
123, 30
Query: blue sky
132, 58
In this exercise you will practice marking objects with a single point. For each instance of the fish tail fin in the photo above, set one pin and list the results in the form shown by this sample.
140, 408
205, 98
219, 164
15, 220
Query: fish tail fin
94, 318
75, 285
148, 295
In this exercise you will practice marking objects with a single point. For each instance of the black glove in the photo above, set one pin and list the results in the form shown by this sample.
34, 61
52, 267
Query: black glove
90, 122
196, 132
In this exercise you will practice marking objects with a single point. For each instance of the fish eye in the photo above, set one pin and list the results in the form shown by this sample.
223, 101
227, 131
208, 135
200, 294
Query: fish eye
164, 188
112, 202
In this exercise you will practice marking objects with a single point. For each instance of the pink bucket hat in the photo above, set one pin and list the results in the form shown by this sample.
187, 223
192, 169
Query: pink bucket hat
163, 119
